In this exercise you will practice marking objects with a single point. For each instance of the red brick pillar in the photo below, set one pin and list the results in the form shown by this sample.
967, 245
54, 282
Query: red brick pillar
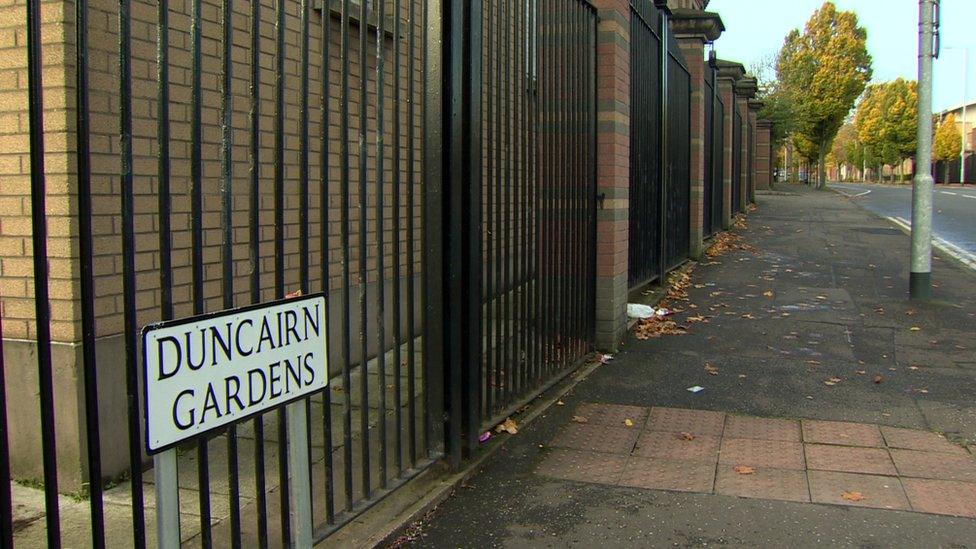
728, 73
764, 155
692, 28
613, 170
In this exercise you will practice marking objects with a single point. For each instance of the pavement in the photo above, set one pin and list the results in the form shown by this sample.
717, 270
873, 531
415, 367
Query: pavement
834, 411
953, 219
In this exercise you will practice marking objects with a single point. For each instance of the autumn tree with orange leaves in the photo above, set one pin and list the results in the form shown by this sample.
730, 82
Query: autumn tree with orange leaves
823, 69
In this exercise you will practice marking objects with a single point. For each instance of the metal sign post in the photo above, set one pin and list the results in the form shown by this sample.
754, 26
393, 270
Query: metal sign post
216, 370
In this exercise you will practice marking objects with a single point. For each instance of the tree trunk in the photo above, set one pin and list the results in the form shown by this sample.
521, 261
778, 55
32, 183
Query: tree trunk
822, 167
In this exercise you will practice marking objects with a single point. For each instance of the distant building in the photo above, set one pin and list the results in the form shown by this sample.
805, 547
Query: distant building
966, 126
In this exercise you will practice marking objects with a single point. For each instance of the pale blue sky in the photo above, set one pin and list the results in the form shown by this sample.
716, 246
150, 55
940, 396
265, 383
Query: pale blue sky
756, 28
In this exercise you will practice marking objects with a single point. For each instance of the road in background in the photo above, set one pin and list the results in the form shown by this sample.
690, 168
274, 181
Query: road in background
953, 213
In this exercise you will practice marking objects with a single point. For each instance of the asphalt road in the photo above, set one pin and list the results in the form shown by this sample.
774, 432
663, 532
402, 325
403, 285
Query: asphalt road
954, 209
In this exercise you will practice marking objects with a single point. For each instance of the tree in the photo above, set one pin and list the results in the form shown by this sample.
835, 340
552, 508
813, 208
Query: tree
823, 70
948, 142
844, 150
776, 103
886, 119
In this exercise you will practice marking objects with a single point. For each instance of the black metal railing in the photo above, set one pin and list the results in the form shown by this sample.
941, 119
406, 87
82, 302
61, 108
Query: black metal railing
217, 185
660, 148
538, 196
718, 158
736, 158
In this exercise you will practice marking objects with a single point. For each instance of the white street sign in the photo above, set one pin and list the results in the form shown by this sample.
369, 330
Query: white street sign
208, 371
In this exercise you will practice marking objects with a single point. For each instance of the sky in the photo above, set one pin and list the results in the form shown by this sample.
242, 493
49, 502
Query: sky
755, 30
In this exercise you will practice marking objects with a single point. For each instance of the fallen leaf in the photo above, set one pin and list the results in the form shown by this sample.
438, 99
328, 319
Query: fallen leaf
877, 379
910, 312
698, 318
296, 293
915, 328
580, 419
768, 293
744, 470
853, 496
832, 381
629, 422
711, 369
913, 367
686, 436
742, 376
509, 426
560, 403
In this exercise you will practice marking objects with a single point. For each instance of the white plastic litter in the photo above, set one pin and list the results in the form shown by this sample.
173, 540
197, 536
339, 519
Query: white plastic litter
696, 389
636, 310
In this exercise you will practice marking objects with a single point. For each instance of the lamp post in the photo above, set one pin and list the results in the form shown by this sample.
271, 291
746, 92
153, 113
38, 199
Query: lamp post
920, 275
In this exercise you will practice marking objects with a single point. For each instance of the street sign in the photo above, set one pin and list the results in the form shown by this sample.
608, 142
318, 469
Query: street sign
204, 372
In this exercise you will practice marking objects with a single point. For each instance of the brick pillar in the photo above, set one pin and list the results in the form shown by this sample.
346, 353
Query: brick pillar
764, 155
728, 73
692, 29
754, 107
613, 170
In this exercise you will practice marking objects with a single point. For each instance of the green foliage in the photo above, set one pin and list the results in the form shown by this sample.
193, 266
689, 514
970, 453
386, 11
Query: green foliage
822, 71
948, 140
887, 119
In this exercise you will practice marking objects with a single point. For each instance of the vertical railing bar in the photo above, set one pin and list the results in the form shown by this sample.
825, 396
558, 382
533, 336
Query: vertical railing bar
6, 503
128, 273
545, 205
594, 98
344, 242
42, 306
254, 251
537, 200
363, 280
86, 254
509, 274
397, 288
523, 198
380, 247
411, 237
501, 384
519, 180
196, 222
227, 248
324, 263
303, 193
572, 203
279, 248
582, 198
488, 300
563, 190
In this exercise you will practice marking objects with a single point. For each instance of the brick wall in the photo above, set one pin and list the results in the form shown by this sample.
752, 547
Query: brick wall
15, 271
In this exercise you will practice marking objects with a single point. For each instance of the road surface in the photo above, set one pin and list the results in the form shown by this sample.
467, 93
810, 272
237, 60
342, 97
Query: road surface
954, 213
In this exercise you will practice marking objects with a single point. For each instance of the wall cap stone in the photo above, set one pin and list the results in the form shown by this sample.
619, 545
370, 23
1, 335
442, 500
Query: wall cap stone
689, 23
730, 69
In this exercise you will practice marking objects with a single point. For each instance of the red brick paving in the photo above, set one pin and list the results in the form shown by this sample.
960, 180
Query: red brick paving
678, 420
762, 428
909, 439
877, 491
661, 444
891, 468
764, 483
667, 474
911, 463
850, 459
838, 432
777, 454
942, 497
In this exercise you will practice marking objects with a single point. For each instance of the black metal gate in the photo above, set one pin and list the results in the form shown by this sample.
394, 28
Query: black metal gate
736, 158
659, 222
714, 154
241, 154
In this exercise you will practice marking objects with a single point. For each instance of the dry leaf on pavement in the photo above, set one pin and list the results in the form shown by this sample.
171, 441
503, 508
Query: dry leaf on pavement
878, 379
711, 369
629, 422
509, 426
832, 381
744, 470
580, 419
768, 293
915, 329
853, 496
686, 436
